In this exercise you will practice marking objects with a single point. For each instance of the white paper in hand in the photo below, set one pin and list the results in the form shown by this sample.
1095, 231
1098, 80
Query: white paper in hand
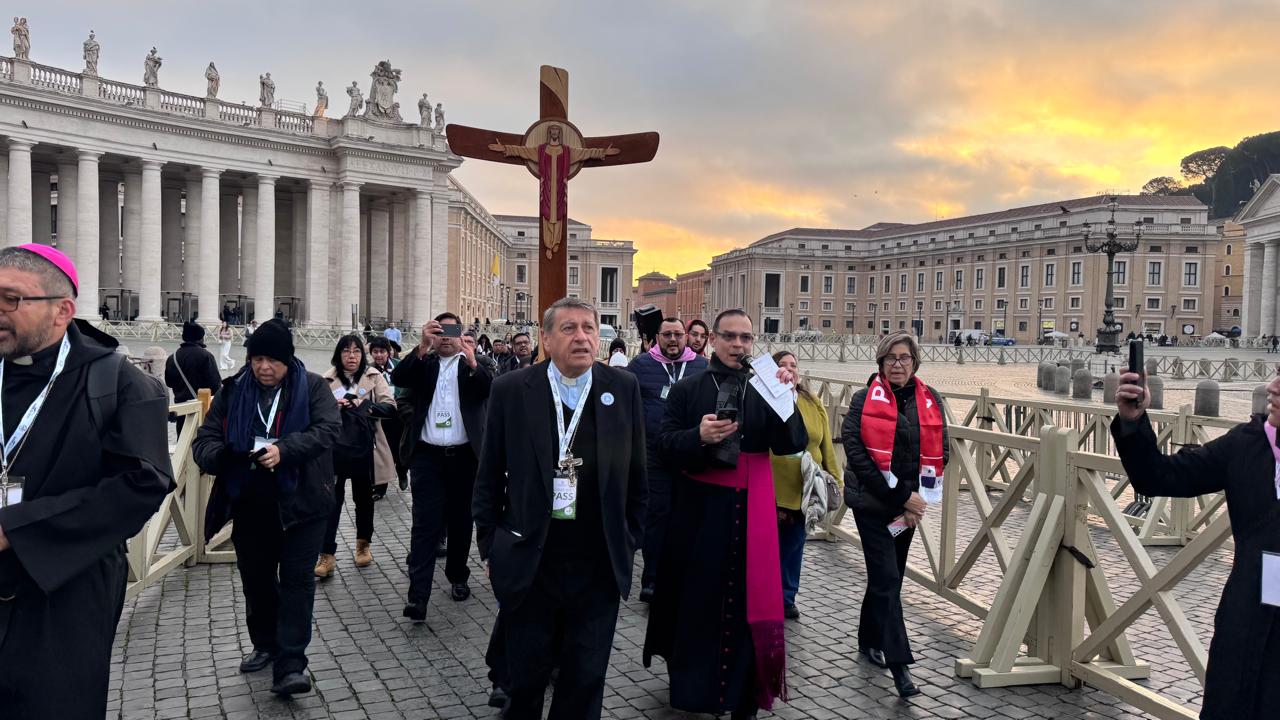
767, 370
1271, 579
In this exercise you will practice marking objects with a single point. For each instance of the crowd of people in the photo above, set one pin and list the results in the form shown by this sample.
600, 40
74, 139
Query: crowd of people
709, 462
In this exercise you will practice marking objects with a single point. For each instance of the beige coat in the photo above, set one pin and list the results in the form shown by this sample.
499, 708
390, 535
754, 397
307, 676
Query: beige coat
373, 382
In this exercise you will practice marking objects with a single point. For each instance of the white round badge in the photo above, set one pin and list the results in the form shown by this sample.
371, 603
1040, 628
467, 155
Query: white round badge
607, 399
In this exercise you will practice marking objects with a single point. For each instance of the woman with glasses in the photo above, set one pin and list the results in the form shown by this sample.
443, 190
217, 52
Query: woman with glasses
895, 443
788, 483
363, 397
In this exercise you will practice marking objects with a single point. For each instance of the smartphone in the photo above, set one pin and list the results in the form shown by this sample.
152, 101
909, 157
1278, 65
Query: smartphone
727, 414
256, 455
1136, 364
451, 330
350, 397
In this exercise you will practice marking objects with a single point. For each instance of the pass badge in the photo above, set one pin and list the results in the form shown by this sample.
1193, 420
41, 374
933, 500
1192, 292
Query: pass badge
564, 497
444, 420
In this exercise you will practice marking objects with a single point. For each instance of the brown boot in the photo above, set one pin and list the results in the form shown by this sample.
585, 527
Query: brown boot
363, 555
326, 565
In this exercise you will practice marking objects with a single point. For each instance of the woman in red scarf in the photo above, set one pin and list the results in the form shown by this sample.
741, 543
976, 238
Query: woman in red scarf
895, 442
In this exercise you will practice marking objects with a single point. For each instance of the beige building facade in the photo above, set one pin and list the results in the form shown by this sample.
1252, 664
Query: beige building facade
477, 248
691, 295
1021, 273
1260, 221
599, 270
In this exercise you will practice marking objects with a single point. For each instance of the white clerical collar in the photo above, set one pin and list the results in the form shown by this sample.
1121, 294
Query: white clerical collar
569, 381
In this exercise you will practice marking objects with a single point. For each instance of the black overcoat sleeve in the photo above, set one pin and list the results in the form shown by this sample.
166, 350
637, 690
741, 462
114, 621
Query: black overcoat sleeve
861, 476
487, 499
210, 377
638, 477
57, 537
679, 444
408, 373
1191, 472
210, 447
296, 448
478, 379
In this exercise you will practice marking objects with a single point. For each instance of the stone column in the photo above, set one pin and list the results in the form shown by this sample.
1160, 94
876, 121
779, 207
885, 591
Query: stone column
109, 233
41, 208
316, 287
440, 252
349, 285
229, 240
18, 226
265, 291
203, 277
171, 239
298, 258
87, 232
379, 258
149, 296
422, 275
365, 301
283, 277
68, 204
1269, 258
249, 244
398, 264
1252, 290
192, 242
133, 231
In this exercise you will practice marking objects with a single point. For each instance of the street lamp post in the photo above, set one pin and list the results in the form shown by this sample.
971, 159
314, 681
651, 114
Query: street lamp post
875, 309
1040, 320
1109, 334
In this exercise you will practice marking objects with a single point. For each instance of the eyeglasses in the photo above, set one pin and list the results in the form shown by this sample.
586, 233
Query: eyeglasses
672, 335
900, 360
9, 303
732, 336
697, 333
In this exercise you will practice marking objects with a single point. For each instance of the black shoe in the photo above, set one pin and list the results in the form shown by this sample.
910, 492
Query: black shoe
255, 661
498, 698
646, 594
404, 484
902, 679
876, 657
379, 492
791, 612
442, 550
294, 683
416, 611
460, 591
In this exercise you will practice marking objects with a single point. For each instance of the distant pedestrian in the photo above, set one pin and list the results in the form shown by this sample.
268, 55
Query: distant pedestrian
1275, 341
191, 368
618, 353
392, 333
224, 339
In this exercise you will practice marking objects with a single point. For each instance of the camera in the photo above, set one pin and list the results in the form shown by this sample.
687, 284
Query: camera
648, 320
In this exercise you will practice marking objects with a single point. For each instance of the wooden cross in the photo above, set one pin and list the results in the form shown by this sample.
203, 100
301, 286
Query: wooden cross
553, 150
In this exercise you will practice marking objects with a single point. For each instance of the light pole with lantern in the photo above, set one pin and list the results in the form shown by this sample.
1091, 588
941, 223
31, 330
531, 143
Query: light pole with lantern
1111, 243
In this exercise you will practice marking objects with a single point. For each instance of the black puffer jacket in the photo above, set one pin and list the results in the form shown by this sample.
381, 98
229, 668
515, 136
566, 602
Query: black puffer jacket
865, 489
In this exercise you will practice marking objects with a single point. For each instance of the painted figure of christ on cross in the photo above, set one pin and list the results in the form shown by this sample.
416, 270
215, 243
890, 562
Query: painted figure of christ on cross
553, 150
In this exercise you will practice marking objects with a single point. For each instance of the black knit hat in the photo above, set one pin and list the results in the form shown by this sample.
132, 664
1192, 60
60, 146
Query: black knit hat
192, 332
272, 339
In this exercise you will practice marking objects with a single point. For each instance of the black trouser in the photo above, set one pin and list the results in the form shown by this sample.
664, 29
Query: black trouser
496, 655
881, 626
575, 600
362, 492
656, 519
277, 570
442, 479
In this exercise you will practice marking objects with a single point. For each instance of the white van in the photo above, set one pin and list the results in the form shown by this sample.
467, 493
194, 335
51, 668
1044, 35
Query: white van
607, 332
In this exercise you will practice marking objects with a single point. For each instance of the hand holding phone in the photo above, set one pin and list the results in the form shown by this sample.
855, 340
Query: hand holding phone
727, 413
1136, 366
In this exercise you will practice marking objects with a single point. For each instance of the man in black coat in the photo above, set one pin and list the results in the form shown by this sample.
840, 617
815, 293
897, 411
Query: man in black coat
191, 368
1242, 679
268, 440
94, 462
450, 389
559, 508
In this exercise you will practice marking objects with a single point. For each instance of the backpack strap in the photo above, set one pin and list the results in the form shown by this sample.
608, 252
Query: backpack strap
101, 387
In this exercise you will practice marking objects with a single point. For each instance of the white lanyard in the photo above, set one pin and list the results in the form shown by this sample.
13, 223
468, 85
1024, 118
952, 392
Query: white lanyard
672, 376
267, 421
29, 417
566, 435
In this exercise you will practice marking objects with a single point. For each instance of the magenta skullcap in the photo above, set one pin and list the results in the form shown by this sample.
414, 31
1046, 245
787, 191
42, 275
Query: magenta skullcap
59, 260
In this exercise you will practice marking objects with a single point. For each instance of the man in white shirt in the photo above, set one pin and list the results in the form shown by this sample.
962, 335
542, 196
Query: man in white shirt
450, 390
392, 333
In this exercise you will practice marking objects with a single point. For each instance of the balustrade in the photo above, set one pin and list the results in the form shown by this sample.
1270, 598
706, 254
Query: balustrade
294, 122
51, 78
183, 104
242, 114
6, 68
122, 93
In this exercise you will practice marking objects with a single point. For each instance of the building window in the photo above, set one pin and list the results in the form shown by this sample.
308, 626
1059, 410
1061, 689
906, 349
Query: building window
977, 279
1190, 274
937, 305
850, 285
1000, 280
919, 305
1023, 303
826, 306
801, 246
804, 283
1002, 304
1153, 303
977, 304
886, 285
1121, 275
1155, 248
1153, 273
1191, 250
902, 305
826, 246
1189, 304
1227, 271
1074, 302
1024, 276
522, 274
826, 323
573, 275
1226, 292
804, 304
519, 233
1077, 270
937, 281
871, 285
828, 284
1022, 326
919, 282
1047, 303
959, 280
902, 283
1228, 249
850, 307
1121, 303
1184, 221
1050, 271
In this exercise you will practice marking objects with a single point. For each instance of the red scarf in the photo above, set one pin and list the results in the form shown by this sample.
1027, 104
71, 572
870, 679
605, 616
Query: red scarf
879, 427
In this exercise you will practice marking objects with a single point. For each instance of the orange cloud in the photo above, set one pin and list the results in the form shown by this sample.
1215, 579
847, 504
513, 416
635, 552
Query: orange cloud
664, 247
747, 199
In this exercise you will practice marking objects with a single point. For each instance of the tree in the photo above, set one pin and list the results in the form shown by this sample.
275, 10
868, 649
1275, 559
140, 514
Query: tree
1202, 164
1163, 185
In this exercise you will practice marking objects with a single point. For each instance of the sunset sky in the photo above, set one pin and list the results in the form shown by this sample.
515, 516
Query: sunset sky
772, 114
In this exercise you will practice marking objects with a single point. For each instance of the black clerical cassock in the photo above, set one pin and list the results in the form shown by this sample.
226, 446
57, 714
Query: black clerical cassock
558, 570
95, 464
723, 652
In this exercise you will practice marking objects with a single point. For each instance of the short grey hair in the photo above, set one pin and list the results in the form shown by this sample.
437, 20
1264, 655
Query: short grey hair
568, 303
888, 341
52, 280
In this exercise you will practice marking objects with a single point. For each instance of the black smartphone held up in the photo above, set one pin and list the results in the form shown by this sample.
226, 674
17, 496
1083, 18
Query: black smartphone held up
727, 414
349, 397
256, 455
451, 330
1136, 364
